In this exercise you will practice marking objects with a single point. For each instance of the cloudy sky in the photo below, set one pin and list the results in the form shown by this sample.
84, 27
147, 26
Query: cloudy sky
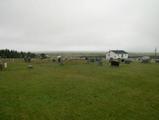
79, 25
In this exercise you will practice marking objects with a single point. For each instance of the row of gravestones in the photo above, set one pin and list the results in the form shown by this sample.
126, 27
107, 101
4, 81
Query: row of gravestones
97, 60
149, 60
60, 60
128, 61
115, 63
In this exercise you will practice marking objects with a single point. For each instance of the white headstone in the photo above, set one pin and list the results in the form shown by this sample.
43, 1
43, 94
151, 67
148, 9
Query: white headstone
30, 66
5, 65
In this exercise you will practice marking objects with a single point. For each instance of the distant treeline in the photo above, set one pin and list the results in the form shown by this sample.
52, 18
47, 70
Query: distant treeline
6, 53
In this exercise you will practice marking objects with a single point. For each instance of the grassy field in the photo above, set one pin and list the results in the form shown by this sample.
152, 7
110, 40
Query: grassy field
79, 92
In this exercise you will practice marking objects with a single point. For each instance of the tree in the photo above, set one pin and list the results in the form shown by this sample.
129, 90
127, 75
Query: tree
5, 53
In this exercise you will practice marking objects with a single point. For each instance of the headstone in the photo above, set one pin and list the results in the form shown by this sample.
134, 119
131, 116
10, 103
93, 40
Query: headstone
1, 66
59, 60
115, 63
5, 65
30, 66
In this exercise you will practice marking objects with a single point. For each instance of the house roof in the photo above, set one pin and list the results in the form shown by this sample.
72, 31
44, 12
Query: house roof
119, 51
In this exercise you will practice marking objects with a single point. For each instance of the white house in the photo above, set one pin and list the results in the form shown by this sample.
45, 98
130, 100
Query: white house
116, 54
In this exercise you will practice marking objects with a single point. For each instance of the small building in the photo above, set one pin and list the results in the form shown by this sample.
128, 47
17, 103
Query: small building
116, 54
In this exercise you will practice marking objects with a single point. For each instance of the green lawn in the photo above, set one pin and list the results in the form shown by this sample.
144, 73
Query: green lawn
79, 92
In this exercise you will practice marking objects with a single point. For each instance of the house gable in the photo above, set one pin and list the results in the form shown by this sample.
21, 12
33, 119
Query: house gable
116, 54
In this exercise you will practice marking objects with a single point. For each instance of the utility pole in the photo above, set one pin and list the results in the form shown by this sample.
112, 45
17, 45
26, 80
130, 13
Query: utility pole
155, 53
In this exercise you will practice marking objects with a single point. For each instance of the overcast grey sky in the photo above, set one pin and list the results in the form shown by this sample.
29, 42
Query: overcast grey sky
58, 25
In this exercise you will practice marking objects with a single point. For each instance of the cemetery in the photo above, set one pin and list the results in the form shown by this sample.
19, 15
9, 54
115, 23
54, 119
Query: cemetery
82, 87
